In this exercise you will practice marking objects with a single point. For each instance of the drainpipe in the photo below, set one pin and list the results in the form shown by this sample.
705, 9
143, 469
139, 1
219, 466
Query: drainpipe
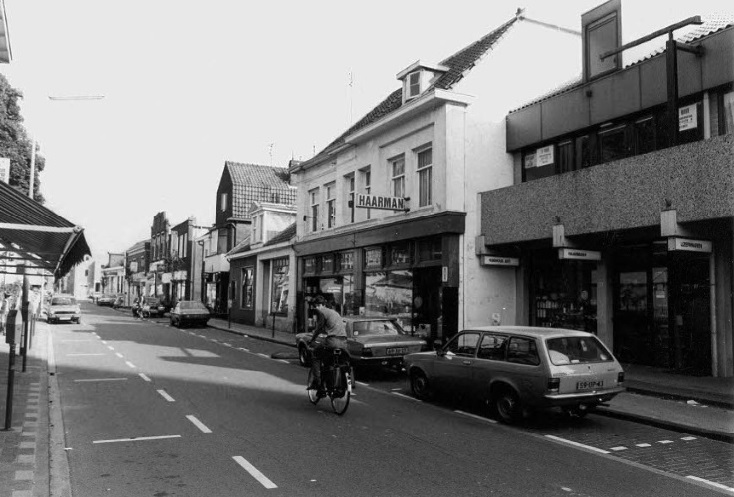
712, 307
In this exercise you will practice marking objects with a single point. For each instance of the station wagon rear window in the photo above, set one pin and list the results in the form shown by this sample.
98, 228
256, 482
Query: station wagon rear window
372, 328
576, 350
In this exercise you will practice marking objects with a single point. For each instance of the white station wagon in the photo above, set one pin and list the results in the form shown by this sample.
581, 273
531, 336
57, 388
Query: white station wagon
520, 368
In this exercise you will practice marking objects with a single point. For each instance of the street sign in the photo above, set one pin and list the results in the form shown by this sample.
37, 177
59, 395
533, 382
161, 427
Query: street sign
578, 254
494, 260
689, 245
365, 201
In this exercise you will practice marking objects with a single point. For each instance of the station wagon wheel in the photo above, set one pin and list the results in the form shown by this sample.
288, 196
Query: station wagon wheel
507, 406
419, 385
303, 356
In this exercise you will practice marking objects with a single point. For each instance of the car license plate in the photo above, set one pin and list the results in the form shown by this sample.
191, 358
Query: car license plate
589, 385
397, 350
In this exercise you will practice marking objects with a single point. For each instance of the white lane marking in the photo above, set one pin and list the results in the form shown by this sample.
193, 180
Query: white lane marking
263, 355
283, 361
101, 379
82, 355
82, 340
713, 484
643, 445
243, 349
617, 449
130, 364
198, 423
688, 438
364, 384
407, 397
576, 444
254, 472
397, 389
118, 355
136, 439
144, 377
665, 441
166, 396
104, 342
226, 344
481, 418
110, 347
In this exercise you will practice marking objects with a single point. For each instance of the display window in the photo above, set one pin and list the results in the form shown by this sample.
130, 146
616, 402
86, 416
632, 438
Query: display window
279, 286
390, 293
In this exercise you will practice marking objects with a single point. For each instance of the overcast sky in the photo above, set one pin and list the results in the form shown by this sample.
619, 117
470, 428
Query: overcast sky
188, 85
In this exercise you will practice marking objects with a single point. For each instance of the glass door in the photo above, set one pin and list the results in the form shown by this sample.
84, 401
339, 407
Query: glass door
632, 333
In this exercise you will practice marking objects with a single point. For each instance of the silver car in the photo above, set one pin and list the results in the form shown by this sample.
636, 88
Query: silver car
516, 369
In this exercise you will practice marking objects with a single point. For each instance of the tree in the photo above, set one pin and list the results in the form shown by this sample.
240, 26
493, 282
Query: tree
15, 143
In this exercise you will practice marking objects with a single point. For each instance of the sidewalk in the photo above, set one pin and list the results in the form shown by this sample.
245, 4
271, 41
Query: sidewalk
696, 405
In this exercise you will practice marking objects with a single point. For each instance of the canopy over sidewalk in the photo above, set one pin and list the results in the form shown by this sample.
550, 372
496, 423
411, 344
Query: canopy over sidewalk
37, 237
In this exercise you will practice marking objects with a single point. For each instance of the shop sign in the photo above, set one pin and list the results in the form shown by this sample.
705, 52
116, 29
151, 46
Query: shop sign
544, 156
444, 274
689, 245
365, 201
180, 275
493, 260
134, 266
578, 254
165, 278
687, 117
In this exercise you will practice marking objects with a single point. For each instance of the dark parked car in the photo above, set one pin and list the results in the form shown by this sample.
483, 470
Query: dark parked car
189, 312
107, 300
371, 341
152, 306
520, 368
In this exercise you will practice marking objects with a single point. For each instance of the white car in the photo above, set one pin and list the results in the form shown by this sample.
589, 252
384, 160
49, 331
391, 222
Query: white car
63, 309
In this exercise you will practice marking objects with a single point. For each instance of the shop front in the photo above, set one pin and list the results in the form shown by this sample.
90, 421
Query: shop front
179, 286
413, 279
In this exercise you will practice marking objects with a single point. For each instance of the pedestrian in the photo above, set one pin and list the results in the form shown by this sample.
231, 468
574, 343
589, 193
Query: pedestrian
4, 309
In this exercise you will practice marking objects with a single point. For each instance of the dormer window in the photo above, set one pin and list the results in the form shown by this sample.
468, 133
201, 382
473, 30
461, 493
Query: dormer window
414, 84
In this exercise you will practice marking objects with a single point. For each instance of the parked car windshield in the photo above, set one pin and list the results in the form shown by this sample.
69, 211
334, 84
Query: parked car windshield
63, 301
151, 301
576, 350
372, 328
193, 305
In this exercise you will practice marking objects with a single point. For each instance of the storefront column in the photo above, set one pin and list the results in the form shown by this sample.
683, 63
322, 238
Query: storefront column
722, 309
604, 304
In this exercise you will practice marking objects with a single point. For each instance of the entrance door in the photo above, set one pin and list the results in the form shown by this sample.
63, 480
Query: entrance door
632, 333
426, 300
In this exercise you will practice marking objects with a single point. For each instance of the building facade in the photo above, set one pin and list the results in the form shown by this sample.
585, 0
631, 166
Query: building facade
159, 275
620, 219
137, 260
388, 212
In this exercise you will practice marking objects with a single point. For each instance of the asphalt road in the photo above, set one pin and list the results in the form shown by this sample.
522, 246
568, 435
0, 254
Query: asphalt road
151, 410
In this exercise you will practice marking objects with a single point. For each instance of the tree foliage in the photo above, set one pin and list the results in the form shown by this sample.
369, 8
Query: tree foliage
15, 144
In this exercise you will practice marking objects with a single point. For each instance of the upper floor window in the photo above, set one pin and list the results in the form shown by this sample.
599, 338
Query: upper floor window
398, 177
425, 177
612, 144
367, 179
349, 180
565, 157
313, 196
414, 84
601, 36
331, 205
223, 202
255, 229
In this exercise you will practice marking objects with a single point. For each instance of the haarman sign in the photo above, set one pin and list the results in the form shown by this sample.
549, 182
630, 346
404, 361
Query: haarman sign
365, 201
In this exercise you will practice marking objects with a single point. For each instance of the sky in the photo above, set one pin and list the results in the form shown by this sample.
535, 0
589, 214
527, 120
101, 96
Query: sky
189, 85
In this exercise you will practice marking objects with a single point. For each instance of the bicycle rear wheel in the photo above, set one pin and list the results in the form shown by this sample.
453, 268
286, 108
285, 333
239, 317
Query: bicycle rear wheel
341, 393
313, 395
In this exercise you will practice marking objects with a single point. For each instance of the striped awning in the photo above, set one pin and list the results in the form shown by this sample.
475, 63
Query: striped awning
33, 237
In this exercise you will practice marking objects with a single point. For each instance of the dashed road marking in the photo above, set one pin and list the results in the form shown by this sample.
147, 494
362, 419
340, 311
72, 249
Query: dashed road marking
82, 355
243, 349
166, 396
130, 364
643, 445
198, 423
135, 439
688, 438
480, 418
254, 472
576, 444
619, 448
407, 397
143, 376
263, 355
99, 379
119, 355
665, 441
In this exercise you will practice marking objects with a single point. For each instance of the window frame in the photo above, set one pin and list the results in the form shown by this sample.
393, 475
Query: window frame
247, 296
397, 180
425, 195
411, 85
330, 204
313, 196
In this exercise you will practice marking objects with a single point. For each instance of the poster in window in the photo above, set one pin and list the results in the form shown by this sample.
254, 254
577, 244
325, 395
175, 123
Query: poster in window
687, 117
544, 156
373, 257
529, 161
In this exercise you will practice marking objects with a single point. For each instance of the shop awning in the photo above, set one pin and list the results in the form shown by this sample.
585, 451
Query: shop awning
33, 236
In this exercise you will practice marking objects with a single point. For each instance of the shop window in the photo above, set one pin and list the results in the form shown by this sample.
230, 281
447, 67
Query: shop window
373, 258
565, 157
425, 177
612, 144
645, 135
583, 152
726, 113
534, 169
309, 265
429, 250
400, 254
330, 205
248, 297
327, 263
279, 286
389, 293
398, 177
464, 344
346, 261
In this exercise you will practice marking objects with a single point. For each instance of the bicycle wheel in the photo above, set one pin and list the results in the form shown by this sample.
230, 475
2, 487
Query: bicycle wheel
341, 393
313, 395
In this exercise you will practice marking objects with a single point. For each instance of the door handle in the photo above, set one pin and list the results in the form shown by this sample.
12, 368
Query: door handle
466, 363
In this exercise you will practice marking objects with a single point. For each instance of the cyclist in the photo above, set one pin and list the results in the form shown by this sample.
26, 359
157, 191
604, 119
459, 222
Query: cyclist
330, 322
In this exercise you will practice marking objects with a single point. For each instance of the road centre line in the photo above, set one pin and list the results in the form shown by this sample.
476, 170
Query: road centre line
243, 349
713, 484
263, 355
254, 472
135, 439
480, 418
576, 444
119, 355
130, 364
100, 379
198, 423
283, 361
78, 340
166, 396
110, 347
82, 355
143, 376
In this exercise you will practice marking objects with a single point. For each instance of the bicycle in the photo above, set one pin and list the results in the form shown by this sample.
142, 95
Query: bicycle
336, 382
